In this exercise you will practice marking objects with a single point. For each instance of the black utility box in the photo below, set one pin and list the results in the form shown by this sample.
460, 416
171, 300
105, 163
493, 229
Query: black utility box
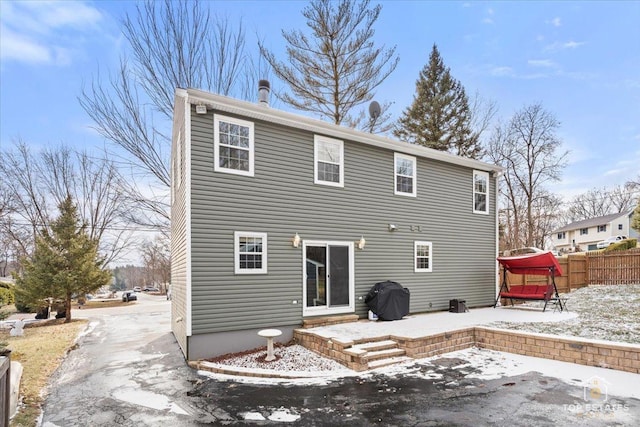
388, 300
457, 306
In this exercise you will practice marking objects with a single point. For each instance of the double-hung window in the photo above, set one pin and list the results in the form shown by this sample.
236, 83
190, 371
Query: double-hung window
584, 231
423, 257
480, 192
405, 174
602, 228
329, 161
233, 145
250, 252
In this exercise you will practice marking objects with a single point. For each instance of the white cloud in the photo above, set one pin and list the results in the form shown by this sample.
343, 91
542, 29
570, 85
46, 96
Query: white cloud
45, 32
546, 63
502, 71
557, 46
489, 18
17, 47
556, 22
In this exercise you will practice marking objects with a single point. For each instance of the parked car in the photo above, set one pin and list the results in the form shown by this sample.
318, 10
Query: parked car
129, 296
522, 251
150, 289
610, 241
137, 289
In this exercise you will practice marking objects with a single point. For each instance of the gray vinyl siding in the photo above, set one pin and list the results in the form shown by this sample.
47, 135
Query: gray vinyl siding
179, 246
281, 199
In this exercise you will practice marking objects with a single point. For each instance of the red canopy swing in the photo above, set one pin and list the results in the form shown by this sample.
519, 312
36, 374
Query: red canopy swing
541, 264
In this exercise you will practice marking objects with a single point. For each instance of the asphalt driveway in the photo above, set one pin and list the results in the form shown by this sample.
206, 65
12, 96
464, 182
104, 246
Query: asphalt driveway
127, 370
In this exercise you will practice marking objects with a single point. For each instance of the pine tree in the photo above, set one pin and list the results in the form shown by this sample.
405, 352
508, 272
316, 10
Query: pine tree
440, 116
65, 263
635, 220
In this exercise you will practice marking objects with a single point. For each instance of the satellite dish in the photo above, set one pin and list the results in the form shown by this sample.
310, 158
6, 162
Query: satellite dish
374, 110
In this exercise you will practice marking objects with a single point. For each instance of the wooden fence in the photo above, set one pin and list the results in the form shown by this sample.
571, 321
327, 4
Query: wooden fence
591, 268
5, 387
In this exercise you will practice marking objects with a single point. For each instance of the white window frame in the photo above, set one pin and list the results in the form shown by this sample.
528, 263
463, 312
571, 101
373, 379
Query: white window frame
485, 175
236, 252
216, 144
318, 140
602, 228
415, 256
399, 156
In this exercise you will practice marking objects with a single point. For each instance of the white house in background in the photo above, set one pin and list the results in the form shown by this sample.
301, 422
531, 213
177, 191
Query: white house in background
586, 234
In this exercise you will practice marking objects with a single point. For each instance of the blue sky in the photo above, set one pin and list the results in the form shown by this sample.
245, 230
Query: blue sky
580, 60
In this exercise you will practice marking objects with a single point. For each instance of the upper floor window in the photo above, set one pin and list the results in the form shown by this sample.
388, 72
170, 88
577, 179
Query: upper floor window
250, 252
584, 231
329, 161
562, 235
480, 192
405, 174
602, 228
619, 226
233, 142
423, 257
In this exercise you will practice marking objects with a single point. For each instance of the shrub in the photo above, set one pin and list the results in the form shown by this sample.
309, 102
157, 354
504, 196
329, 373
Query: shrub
7, 296
622, 245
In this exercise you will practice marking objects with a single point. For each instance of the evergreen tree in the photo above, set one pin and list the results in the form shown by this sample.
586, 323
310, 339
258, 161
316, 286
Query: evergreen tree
65, 263
440, 116
635, 220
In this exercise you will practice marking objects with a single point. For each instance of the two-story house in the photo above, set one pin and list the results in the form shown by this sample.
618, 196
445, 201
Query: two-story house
277, 217
586, 234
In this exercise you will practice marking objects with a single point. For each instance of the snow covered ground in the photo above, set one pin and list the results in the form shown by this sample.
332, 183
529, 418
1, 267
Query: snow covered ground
609, 313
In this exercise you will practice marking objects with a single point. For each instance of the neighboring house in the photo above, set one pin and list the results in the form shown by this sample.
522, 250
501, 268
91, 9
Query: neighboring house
586, 234
278, 217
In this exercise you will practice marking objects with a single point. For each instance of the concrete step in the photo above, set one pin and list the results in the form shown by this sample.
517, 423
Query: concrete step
376, 345
383, 354
374, 364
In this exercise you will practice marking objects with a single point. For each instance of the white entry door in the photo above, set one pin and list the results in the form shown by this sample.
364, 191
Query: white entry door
328, 280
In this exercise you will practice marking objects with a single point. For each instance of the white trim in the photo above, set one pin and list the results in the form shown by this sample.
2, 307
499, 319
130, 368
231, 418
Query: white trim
271, 115
399, 156
188, 248
236, 253
417, 243
217, 118
317, 139
485, 175
312, 311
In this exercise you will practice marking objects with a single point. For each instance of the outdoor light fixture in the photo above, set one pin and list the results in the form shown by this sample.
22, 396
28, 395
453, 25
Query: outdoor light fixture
361, 243
295, 241
393, 227
201, 109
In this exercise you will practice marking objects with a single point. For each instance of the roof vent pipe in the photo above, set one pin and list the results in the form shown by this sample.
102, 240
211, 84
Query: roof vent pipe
263, 92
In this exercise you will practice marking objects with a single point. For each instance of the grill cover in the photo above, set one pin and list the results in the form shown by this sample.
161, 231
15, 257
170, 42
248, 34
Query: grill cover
388, 300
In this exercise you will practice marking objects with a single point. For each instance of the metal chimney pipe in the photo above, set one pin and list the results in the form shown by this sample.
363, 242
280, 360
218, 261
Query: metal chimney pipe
263, 92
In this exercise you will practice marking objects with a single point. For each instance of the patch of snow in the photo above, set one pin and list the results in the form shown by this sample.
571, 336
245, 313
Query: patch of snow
253, 416
142, 398
283, 415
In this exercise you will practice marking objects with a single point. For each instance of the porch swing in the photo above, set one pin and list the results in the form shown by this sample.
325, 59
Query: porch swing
539, 264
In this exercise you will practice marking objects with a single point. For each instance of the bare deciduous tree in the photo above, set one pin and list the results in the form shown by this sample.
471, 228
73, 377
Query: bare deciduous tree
38, 182
173, 44
336, 67
602, 201
156, 257
527, 147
